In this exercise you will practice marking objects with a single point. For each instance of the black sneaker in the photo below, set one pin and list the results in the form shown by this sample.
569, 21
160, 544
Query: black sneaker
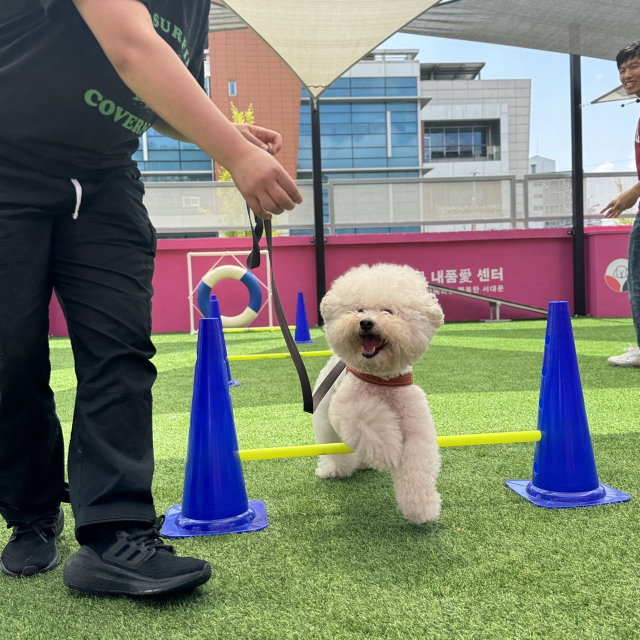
32, 547
136, 563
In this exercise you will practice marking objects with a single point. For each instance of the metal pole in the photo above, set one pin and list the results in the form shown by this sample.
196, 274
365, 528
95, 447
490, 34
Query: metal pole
577, 186
316, 155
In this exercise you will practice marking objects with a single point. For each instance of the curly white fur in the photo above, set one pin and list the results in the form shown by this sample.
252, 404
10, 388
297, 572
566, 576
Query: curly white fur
380, 320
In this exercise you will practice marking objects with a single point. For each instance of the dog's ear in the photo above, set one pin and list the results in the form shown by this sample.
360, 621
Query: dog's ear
433, 311
329, 306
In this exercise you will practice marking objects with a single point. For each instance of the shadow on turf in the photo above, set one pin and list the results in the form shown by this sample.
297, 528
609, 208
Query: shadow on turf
179, 346
518, 371
622, 332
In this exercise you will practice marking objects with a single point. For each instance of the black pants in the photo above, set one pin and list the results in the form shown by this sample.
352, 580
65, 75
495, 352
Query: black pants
100, 265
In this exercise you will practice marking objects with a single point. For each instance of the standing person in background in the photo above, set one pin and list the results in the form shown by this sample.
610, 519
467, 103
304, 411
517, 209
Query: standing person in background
80, 81
628, 60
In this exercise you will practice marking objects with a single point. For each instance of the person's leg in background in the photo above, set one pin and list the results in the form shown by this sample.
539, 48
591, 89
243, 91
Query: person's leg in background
631, 357
634, 276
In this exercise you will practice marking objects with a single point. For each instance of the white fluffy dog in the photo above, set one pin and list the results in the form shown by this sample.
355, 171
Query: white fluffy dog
379, 321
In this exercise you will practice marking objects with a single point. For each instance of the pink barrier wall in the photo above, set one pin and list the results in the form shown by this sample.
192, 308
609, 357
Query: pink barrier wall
532, 266
607, 289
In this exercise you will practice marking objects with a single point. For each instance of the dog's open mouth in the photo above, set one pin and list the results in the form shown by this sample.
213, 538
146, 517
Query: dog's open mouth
372, 345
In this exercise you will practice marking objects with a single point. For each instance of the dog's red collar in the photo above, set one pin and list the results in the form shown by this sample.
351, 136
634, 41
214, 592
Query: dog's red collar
403, 380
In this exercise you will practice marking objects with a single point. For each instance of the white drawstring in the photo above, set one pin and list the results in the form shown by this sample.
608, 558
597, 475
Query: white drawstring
78, 189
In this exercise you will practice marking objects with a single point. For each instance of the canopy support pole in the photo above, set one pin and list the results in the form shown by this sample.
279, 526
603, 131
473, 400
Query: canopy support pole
577, 186
318, 209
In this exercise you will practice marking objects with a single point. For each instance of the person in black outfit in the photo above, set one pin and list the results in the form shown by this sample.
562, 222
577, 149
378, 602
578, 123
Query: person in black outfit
80, 82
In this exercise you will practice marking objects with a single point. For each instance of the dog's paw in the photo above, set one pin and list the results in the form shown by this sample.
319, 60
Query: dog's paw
421, 512
327, 469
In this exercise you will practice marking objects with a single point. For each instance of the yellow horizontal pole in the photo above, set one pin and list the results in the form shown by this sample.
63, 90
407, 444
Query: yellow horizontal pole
299, 451
467, 440
245, 329
278, 356
472, 439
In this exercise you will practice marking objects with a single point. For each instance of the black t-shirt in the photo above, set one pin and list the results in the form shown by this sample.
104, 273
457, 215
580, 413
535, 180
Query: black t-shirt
64, 111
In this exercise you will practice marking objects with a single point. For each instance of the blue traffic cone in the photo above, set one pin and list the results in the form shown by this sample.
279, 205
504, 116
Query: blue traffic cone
215, 498
564, 467
302, 335
214, 312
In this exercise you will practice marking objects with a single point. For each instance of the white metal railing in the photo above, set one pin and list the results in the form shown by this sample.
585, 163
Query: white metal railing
548, 197
480, 202
422, 202
203, 207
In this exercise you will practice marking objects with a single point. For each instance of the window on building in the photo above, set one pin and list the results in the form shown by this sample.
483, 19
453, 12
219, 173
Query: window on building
456, 141
533, 168
158, 153
233, 90
356, 135
370, 87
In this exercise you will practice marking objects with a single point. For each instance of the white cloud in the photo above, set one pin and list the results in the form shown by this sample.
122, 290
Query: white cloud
631, 165
604, 168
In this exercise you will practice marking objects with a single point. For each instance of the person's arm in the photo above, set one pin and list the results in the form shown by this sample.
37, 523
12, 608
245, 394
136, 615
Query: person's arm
265, 139
167, 130
152, 70
623, 202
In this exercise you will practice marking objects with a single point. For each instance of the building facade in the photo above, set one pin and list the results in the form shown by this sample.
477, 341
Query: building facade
245, 71
473, 126
389, 116
540, 164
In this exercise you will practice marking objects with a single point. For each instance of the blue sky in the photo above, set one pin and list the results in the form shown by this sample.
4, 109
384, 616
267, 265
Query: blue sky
608, 129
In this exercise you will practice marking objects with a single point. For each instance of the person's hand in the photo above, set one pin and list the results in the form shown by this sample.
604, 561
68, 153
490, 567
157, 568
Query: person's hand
620, 204
265, 139
264, 183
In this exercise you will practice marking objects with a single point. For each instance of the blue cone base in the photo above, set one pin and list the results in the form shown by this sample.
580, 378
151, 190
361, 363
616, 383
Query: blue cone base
177, 526
304, 341
234, 383
604, 494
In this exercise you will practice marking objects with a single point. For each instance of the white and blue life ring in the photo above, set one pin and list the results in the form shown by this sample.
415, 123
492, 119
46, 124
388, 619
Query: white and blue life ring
237, 273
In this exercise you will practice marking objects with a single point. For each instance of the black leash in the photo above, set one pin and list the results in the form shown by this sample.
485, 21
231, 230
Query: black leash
310, 400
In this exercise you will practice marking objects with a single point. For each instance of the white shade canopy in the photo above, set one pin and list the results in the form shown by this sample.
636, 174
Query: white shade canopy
321, 39
611, 96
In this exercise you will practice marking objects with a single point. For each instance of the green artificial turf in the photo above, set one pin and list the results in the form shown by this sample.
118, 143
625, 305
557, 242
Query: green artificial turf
338, 560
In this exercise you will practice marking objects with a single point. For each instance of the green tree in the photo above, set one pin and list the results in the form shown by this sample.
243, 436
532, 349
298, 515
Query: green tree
239, 117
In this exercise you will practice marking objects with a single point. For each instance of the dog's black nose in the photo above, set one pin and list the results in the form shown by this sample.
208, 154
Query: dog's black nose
366, 325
